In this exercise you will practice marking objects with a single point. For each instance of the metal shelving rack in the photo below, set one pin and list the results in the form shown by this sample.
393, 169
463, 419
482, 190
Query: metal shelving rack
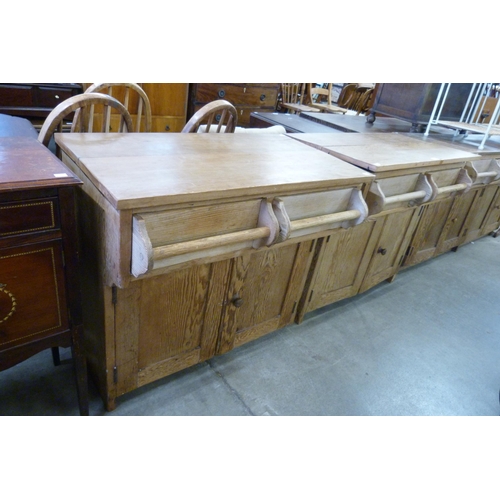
473, 112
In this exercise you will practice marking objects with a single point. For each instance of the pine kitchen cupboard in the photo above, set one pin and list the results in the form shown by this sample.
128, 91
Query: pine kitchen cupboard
245, 97
197, 243
412, 178
39, 284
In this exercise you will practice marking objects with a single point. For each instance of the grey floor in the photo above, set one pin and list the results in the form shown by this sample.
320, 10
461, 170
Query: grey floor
426, 344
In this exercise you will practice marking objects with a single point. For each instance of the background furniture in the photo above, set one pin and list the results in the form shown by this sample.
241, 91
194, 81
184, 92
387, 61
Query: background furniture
414, 102
245, 97
320, 97
35, 100
292, 98
11, 126
39, 284
84, 121
133, 97
206, 116
293, 123
227, 247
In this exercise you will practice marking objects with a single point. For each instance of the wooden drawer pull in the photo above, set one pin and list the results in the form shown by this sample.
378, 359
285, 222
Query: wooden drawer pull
378, 202
145, 256
210, 242
452, 189
356, 213
491, 174
321, 220
464, 183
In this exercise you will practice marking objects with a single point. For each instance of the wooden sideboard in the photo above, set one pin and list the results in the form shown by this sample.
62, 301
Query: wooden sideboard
245, 97
410, 202
39, 284
194, 244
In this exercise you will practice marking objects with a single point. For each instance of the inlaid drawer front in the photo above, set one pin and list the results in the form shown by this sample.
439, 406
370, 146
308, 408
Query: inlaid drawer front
483, 171
169, 237
300, 215
32, 293
29, 216
397, 192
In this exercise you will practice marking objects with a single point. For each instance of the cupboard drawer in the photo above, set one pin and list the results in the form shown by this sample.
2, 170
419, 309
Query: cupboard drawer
29, 216
50, 97
169, 237
16, 95
32, 293
237, 94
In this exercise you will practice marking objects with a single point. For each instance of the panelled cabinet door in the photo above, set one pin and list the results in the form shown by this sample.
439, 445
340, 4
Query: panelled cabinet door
453, 231
394, 232
431, 222
342, 259
493, 217
263, 292
483, 208
166, 323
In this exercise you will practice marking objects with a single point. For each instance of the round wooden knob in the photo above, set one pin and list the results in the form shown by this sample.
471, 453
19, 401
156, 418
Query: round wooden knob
382, 251
263, 97
237, 301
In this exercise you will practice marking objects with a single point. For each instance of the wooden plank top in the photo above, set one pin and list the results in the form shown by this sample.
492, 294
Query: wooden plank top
139, 170
350, 123
469, 142
292, 123
26, 164
385, 152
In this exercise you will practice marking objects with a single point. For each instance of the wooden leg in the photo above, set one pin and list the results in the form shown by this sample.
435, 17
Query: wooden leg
55, 356
80, 366
391, 279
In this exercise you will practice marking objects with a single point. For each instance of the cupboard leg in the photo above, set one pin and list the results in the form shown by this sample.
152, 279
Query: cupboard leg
80, 366
55, 356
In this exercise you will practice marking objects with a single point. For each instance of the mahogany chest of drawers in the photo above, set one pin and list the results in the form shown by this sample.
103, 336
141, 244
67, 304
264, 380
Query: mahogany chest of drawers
39, 284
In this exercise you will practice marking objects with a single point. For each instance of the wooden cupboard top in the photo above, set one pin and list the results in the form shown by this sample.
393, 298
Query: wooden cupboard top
26, 164
139, 170
386, 152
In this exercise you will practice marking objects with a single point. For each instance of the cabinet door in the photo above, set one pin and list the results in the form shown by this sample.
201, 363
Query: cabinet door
493, 217
431, 222
479, 215
166, 323
453, 230
393, 234
32, 294
342, 259
263, 293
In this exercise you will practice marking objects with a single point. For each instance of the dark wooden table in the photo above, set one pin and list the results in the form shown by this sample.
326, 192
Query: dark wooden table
292, 123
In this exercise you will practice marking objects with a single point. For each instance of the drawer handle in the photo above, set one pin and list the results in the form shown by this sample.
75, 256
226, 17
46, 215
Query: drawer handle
378, 202
167, 128
485, 177
262, 97
382, 251
144, 255
464, 183
355, 214
221, 93
56, 96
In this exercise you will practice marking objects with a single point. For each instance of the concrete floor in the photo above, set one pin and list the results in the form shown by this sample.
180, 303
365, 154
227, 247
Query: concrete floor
426, 344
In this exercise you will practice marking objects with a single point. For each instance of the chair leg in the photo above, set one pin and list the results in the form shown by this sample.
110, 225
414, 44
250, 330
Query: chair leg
55, 356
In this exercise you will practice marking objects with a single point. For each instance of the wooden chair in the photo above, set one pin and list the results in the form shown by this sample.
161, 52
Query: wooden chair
321, 98
133, 97
356, 96
84, 122
222, 111
292, 98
